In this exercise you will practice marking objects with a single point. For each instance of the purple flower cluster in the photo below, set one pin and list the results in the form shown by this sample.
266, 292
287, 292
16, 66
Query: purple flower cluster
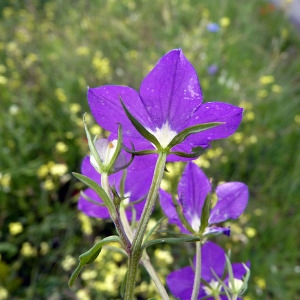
169, 110
180, 282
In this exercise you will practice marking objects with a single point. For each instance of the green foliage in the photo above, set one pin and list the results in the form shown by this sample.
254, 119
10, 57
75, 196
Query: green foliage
50, 51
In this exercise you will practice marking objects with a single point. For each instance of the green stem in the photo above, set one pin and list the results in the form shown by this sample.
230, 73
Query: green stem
197, 278
145, 259
136, 251
115, 215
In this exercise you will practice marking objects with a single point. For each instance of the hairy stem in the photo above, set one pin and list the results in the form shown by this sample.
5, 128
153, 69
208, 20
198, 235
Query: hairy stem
136, 251
197, 278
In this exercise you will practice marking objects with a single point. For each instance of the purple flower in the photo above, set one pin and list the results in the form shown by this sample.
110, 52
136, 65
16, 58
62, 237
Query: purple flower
180, 282
136, 187
212, 69
193, 189
169, 101
213, 27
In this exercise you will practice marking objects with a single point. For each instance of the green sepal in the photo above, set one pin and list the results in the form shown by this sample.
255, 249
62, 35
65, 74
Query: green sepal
110, 166
196, 152
92, 147
153, 228
205, 214
140, 128
187, 239
89, 256
98, 189
181, 136
181, 216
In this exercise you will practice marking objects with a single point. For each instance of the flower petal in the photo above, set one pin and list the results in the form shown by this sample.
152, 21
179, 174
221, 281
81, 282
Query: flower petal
137, 184
171, 91
108, 111
169, 209
180, 283
214, 112
192, 191
212, 257
232, 201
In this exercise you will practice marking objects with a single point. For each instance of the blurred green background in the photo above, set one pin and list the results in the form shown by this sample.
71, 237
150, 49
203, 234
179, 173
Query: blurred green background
51, 50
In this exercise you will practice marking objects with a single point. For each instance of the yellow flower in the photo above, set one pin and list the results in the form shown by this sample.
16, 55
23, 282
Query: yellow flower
44, 248
82, 51
68, 263
5, 180
27, 250
15, 228
262, 93
59, 169
3, 80
3, 293
42, 172
49, 185
85, 224
224, 22
75, 108
267, 79
276, 88
60, 94
95, 130
61, 147
297, 119
261, 282
82, 295
250, 232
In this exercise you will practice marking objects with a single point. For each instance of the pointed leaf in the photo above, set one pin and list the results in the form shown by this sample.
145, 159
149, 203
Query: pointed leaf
117, 151
190, 238
140, 128
92, 147
205, 214
98, 189
181, 136
89, 256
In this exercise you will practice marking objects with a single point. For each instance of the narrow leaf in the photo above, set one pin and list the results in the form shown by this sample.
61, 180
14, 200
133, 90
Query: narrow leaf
205, 214
140, 128
89, 256
171, 241
98, 189
181, 136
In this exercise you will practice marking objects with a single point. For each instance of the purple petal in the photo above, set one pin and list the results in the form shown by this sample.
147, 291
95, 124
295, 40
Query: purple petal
180, 283
171, 91
91, 209
217, 230
214, 112
192, 191
213, 257
108, 112
137, 185
232, 201
169, 209
239, 270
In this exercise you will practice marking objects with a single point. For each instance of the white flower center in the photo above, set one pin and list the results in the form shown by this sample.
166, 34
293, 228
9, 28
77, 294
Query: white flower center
213, 286
196, 223
164, 135
237, 284
106, 150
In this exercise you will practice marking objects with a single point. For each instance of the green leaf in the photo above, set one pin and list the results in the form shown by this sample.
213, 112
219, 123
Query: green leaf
98, 189
89, 256
181, 136
117, 151
205, 214
91, 144
171, 241
153, 228
141, 129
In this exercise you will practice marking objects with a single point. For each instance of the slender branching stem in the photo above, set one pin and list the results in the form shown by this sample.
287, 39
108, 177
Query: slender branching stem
197, 279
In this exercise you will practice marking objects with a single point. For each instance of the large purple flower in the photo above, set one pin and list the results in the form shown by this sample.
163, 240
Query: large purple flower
180, 282
169, 101
136, 187
193, 189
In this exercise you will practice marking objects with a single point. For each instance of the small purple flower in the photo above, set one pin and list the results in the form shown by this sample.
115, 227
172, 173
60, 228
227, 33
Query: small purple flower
136, 187
180, 282
193, 189
212, 69
213, 27
169, 101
